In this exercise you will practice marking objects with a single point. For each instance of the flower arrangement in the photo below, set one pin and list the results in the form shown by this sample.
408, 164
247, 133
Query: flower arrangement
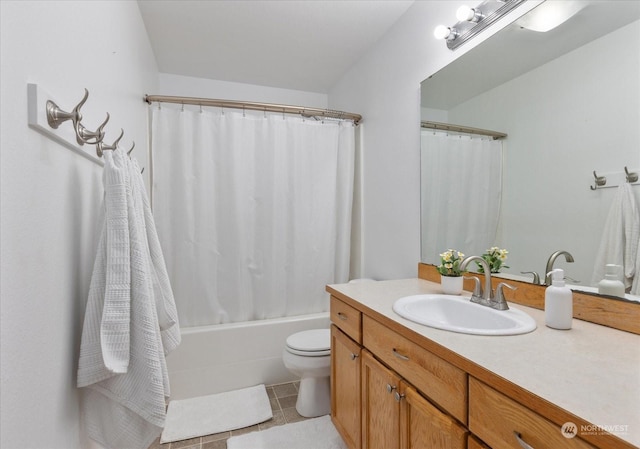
450, 263
495, 257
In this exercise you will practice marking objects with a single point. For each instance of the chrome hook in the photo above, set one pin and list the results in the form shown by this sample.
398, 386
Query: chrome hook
599, 181
631, 177
131, 149
56, 116
85, 136
101, 147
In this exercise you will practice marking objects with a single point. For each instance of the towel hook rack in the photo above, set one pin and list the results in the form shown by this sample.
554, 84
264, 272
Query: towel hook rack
101, 147
83, 135
600, 181
631, 177
56, 116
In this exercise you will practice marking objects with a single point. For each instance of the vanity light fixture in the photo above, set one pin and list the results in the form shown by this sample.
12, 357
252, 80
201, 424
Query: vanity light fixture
472, 21
550, 14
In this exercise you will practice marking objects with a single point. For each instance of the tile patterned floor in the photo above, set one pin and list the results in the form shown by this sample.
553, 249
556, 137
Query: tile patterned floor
283, 403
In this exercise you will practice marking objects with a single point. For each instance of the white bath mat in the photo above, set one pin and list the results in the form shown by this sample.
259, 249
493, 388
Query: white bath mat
205, 415
316, 433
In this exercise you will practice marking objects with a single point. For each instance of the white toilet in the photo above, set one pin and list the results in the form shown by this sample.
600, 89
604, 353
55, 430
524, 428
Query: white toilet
308, 355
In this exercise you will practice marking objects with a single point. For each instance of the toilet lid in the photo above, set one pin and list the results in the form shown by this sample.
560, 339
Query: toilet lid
314, 342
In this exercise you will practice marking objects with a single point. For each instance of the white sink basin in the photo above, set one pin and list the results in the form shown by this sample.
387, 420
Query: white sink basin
458, 314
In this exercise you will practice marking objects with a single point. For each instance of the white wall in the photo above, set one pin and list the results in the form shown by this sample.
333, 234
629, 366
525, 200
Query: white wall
50, 198
564, 119
187, 86
384, 86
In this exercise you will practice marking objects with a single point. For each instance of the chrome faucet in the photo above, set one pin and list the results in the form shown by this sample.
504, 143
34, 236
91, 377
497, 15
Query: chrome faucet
552, 259
536, 276
486, 297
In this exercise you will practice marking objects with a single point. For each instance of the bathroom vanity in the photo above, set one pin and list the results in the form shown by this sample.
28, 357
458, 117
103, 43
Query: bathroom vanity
398, 384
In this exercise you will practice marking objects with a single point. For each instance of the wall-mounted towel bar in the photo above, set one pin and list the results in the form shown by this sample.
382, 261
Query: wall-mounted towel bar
46, 117
601, 181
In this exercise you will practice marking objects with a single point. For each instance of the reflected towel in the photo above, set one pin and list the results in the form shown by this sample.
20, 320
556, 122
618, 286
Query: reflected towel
126, 336
620, 242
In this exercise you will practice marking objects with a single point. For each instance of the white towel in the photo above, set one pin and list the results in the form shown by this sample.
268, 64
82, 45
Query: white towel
620, 242
130, 320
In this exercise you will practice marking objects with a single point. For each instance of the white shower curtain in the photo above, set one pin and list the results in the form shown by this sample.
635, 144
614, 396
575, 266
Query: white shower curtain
461, 193
254, 211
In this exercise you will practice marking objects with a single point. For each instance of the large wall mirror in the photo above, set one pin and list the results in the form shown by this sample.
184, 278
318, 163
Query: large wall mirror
568, 100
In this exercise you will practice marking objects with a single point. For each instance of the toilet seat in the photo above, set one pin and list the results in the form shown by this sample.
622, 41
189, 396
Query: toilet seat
311, 343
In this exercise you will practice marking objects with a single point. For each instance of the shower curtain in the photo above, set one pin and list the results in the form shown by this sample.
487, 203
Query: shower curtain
253, 210
461, 193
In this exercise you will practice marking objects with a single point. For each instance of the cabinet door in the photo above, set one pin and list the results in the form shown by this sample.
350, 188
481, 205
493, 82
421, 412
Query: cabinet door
380, 409
504, 423
475, 443
345, 387
423, 426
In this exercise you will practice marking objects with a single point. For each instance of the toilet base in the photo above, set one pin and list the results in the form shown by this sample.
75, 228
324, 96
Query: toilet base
314, 397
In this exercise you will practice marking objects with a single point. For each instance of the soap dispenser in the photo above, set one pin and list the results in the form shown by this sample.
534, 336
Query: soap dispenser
558, 302
611, 284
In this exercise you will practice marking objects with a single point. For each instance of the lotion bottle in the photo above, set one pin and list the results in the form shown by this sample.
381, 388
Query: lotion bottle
558, 302
611, 284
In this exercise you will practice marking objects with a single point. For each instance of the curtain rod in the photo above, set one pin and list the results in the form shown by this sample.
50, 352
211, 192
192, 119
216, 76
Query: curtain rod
462, 129
266, 107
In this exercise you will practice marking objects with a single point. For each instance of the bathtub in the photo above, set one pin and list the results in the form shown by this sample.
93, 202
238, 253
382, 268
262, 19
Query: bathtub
224, 357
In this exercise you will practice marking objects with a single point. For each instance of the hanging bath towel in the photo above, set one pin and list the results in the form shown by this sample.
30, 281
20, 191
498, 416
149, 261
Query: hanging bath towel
130, 320
620, 243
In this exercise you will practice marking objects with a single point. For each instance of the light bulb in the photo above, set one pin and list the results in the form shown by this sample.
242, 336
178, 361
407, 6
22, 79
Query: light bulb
465, 13
442, 32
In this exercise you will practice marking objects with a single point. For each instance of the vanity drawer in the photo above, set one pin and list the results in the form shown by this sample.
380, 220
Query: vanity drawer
347, 318
496, 419
437, 379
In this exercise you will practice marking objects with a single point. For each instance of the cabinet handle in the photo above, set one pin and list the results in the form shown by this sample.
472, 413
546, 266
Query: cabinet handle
342, 316
400, 356
354, 356
521, 441
399, 397
390, 388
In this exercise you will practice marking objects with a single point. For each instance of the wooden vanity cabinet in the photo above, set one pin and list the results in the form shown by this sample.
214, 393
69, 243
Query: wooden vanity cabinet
474, 443
437, 379
500, 421
380, 409
346, 334
423, 426
395, 415
389, 392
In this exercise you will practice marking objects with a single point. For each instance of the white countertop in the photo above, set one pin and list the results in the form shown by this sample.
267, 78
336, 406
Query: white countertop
591, 371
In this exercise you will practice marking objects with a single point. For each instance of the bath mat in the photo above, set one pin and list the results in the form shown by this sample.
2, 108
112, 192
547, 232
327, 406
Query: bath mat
316, 433
205, 415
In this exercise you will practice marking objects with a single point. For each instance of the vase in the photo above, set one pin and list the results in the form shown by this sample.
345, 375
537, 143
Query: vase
451, 285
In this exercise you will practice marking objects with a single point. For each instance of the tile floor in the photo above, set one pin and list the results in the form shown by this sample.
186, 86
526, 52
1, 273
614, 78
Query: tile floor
283, 403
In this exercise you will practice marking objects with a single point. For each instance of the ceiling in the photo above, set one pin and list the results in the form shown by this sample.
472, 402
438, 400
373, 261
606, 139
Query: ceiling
296, 44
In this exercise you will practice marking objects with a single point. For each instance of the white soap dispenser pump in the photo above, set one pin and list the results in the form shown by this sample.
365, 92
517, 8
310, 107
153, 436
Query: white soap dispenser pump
558, 302
611, 284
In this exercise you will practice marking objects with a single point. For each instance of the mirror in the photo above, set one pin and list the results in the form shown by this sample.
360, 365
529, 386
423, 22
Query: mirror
569, 101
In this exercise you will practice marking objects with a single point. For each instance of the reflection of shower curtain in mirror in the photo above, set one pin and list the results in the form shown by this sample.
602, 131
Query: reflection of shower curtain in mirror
461, 193
253, 211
